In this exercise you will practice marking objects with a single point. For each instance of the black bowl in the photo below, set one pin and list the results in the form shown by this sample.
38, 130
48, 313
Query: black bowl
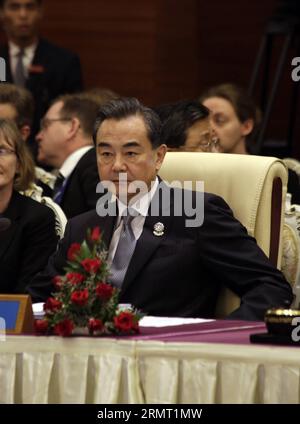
280, 321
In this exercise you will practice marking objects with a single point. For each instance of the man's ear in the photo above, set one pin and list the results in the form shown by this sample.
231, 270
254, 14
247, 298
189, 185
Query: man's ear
160, 154
25, 131
247, 127
75, 125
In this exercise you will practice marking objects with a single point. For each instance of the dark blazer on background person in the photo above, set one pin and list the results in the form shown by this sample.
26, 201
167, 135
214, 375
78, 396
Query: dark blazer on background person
293, 186
54, 71
80, 195
180, 272
26, 245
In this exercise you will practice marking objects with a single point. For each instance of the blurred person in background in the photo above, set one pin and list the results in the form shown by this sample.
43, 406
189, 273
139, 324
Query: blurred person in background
100, 95
17, 103
33, 62
30, 238
65, 142
186, 127
235, 119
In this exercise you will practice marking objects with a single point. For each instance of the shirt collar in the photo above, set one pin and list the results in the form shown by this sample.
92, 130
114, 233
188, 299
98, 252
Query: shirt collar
14, 49
142, 204
69, 164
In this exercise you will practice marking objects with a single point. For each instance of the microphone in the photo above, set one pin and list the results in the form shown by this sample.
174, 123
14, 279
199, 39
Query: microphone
4, 223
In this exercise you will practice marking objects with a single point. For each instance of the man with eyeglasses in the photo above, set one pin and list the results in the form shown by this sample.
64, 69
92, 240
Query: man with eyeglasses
32, 62
186, 127
65, 143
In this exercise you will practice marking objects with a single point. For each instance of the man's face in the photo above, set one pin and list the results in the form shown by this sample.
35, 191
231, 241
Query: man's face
20, 19
52, 137
123, 146
199, 137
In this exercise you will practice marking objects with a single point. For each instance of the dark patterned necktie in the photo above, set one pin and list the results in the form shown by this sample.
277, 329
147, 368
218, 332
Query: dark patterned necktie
20, 78
123, 252
58, 188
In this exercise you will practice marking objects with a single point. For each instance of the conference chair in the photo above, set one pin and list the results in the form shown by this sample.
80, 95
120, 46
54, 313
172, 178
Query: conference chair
293, 164
291, 248
253, 186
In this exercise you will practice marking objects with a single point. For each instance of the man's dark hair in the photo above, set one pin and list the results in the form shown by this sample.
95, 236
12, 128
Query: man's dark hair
129, 106
80, 107
21, 99
180, 118
2, 3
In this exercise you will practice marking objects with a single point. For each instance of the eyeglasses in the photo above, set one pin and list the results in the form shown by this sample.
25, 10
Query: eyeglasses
205, 144
46, 122
4, 151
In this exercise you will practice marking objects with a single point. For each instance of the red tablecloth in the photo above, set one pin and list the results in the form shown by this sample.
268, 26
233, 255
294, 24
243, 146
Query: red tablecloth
220, 331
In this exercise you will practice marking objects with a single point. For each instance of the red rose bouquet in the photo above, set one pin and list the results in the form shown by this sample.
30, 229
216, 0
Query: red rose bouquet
83, 298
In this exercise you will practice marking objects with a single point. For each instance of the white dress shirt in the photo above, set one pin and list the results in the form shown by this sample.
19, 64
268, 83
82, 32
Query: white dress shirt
27, 58
137, 224
69, 164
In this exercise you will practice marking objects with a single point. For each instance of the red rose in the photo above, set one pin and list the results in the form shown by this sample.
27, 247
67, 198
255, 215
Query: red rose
52, 304
64, 328
95, 235
73, 251
95, 324
75, 277
104, 291
80, 298
57, 281
91, 265
125, 322
41, 326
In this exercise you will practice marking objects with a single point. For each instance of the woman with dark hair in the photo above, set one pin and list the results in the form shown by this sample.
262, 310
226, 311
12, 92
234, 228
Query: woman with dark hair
28, 238
235, 119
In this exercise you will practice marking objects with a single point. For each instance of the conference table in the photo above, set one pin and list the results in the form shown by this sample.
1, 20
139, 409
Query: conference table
212, 362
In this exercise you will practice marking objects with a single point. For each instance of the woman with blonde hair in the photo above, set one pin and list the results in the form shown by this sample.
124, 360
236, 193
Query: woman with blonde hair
27, 236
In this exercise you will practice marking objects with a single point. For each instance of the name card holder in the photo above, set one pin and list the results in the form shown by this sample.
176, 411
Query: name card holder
16, 314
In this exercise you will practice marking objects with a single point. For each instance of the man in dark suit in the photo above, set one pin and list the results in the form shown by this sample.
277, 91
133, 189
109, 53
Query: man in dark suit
175, 267
65, 143
44, 68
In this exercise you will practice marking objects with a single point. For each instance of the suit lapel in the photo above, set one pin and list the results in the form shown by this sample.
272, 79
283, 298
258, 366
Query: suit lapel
148, 242
107, 225
37, 70
106, 222
13, 212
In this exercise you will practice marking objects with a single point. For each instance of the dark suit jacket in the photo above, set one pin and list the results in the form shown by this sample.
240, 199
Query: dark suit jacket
54, 71
294, 186
181, 272
80, 192
26, 245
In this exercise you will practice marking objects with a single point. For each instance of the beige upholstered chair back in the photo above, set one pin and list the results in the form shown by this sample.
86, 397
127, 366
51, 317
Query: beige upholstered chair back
253, 186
